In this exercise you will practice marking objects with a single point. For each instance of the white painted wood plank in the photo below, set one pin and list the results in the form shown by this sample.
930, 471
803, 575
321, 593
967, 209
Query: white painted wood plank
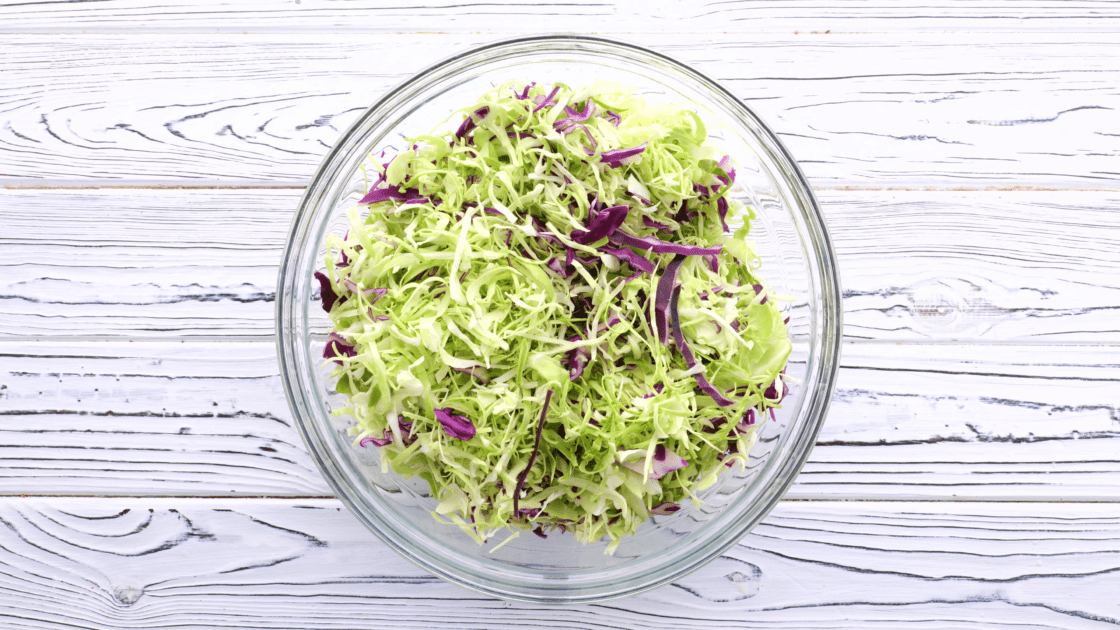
919, 265
143, 418
565, 16
866, 109
141, 263
921, 421
990, 266
954, 422
308, 564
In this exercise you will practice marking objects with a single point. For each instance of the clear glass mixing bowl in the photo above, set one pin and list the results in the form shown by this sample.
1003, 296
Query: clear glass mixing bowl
798, 261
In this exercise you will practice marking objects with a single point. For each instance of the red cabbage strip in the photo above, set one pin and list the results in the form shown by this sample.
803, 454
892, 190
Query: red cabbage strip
476, 372
567, 125
353, 286
664, 462
614, 118
338, 347
585, 115
576, 362
470, 123
640, 198
684, 215
343, 261
577, 359
689, 359
532, 458
411, 195
772, 393
757, 290
614, 159
487, 209
386, 439
380, 176
326, 291
542, 233
722, 205
407, 437
545, 101
725, 164
650, 223
459, 427
713, 263
594, 145
603, 225
665, 508
558, 267
744, 425
659, 246
637, 261
661, 300
524, 96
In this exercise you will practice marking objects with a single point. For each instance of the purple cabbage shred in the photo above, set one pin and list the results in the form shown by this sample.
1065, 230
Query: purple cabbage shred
476, 372
665, 286
659, 246
459, 427
545, 101
375, 293
618, 157
524, 95
757, 290
470, 123
750, 418
665, 508
665, 461
576, 362
338, 347
532, 458
689, 359
575, 117
721, 204
326, 291
386, 439
378, 195
602, 226
713, 263
636, 261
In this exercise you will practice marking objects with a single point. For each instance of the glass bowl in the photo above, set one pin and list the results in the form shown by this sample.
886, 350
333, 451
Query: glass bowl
797, 261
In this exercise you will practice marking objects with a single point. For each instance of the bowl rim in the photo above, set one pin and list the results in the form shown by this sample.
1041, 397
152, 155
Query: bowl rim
827, 340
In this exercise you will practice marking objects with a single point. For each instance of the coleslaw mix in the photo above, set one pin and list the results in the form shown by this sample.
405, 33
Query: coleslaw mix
545, 314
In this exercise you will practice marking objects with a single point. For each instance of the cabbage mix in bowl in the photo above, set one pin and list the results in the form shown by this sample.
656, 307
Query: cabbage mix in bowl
545, 314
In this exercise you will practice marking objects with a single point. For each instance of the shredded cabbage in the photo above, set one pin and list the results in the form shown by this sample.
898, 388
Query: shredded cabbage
540, 312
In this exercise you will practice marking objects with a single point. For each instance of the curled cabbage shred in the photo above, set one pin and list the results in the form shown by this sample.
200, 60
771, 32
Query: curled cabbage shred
540, 311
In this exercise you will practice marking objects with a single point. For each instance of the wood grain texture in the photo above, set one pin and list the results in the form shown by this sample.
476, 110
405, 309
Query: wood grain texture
563, 16
979, 379
308, 564
864, 109
921, 265
910, 421
140, 418
967, 422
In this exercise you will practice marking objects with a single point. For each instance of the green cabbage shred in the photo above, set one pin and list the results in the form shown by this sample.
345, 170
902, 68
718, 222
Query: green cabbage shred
462, 289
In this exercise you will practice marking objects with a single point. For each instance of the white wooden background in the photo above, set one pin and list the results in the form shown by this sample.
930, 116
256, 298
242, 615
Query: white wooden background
967, 158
